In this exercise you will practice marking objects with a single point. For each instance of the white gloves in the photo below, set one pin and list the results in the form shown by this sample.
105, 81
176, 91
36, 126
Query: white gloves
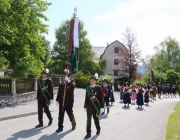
51, 102
102, 110
85, 110
57, 103
67, 79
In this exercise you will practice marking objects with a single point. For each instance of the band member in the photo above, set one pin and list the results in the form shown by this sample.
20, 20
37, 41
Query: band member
154, 91
140, 100
126, 98
149, 86
179, 91
112, 94
173, 91
121, 92
164, 90
107, 93
151, 90
69, 84
168, 90
44, 97
94, 105
133, 94
159, 89
146, 95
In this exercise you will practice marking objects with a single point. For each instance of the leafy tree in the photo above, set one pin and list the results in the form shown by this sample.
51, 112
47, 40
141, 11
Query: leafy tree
59, 52
108, 77
168, 55
131, 55
21, 42
3, 62
102, 64
47, 57
172, 77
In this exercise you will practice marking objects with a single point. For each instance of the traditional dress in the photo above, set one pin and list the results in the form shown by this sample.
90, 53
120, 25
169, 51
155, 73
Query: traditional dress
173, 90
146, 96
164, 90
133, 94
155, 92
126, 98
159, 89
112, 95
107, 93
151, 93
140, 101
121, 93
168, 90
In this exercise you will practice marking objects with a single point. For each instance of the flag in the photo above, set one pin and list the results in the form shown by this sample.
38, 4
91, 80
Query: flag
73, 46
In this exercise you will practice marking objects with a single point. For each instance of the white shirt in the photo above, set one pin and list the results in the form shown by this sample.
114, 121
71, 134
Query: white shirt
93, 86
137, 90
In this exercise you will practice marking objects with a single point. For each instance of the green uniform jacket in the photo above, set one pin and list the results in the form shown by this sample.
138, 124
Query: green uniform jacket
99, 95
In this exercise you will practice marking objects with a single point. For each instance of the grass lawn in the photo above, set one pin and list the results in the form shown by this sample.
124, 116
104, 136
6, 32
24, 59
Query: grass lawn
173, 126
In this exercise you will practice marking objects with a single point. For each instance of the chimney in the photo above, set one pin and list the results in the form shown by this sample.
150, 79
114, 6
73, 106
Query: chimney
107, 43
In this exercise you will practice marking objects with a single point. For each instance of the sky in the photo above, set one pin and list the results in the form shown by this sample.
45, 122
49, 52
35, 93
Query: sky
106, 20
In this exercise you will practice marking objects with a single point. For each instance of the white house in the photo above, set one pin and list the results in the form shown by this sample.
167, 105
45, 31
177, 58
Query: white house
114, 54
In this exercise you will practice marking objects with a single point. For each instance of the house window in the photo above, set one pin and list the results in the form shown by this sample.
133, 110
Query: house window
115, 72
116, 50
116, 62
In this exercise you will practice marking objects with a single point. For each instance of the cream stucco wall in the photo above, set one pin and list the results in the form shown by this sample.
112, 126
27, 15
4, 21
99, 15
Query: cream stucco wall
109, 56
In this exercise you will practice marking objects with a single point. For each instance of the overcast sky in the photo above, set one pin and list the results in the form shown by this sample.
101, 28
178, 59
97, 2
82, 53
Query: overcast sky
105, 20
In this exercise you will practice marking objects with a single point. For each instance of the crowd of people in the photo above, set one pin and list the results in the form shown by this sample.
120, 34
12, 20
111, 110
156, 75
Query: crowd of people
98, 98
140, 94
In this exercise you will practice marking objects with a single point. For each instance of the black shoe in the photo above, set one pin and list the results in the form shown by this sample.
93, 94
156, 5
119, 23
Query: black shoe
102, 113
73, 127
39, 125
98, 132
59, 130
87, 136
108, 110
50, 122
138, 106
124, 105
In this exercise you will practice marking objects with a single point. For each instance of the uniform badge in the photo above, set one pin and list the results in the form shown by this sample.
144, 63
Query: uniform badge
95, 93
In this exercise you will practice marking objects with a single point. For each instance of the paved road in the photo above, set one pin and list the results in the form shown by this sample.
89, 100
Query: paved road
121, 124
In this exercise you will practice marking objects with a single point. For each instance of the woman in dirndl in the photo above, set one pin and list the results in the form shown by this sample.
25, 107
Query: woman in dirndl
112, 94
121, 92
126, 98
151, 93
146, 95
140, 100
133, 94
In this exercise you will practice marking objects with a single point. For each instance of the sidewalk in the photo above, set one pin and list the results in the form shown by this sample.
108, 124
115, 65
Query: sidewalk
30, 108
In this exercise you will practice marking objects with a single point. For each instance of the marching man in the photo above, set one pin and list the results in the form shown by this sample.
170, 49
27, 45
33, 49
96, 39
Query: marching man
107, 93
68, 102
93, 106
44, 97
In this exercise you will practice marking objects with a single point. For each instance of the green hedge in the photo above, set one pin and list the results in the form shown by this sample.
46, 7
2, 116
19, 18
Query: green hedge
82, 80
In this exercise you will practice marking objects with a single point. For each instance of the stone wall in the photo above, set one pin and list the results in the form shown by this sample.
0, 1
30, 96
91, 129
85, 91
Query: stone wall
16, 99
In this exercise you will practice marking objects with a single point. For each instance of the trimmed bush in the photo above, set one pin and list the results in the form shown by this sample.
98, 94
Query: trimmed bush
82, 80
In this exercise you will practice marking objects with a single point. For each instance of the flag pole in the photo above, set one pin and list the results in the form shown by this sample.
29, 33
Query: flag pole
65, 86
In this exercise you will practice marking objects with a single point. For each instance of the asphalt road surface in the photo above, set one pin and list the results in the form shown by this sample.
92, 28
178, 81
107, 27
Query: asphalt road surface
121, 123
